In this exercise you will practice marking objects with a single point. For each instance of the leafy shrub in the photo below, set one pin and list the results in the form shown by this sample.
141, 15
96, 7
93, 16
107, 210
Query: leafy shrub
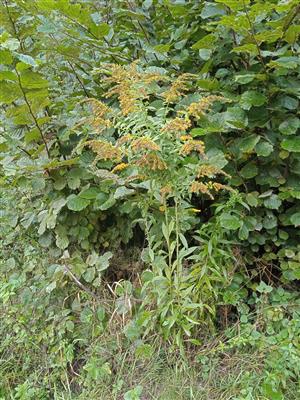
187, 158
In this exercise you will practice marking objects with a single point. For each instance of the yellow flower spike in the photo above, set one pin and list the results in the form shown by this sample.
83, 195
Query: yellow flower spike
198, 109
200, 187
125, 80
162, 208
152, 161
178, 87
144, 143
104, 150
177, 124
119, 167
184, 138
193, 145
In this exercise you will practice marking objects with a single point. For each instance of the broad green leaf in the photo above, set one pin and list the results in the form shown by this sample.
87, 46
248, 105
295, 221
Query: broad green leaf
5, 57
211, 10
9, 92
90, 193
162, 48
11, 44
289, 126
249, 171
122, 191
100, 30
27, 59
205, 43
247, 144
264, 149
295, 219
8, 76
229, 221
76, 203
234, 5
244, 78
102, 262
33, 80
273, 202
252, 98
291, 144
246, 48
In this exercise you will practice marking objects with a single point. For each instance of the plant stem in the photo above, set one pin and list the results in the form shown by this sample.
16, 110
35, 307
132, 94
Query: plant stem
32, 114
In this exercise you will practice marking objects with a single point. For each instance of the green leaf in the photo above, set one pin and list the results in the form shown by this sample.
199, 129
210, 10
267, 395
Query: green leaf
33, 80
229, 221
273, 202
295, 219
252, 98
162, 48
110, 202
291, 144
264, 288
249, 171
252, 200
205, 43
89, 194
102, 262
62, 242
244, 78
27, 59
100, 30
264, 149
76, 203
246, 48
9, 92
205, 54
288, 102
289, 126
292, 33
134, 394
5, 57
11, 44
248, 143
211, 10
122, 191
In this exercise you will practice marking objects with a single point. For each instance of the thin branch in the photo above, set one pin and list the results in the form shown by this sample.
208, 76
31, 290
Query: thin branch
254, 38
13, 25
32, 114
78, 283
79, 80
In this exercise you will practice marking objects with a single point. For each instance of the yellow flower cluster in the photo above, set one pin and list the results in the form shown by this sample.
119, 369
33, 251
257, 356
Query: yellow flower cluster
200, 187
165, 190
199, 108
122, 79
124, 139
210, 170
196, 110
177, 88
193, 145
119, 167
152, 161
100, 110
205, 188
135, 177
104, 150
127, 85
177, 124
184, 138
144, 143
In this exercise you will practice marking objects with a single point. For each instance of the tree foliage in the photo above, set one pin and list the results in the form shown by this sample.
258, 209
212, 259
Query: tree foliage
165, 128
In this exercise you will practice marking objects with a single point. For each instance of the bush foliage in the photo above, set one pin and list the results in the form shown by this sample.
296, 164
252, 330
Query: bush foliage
150, 162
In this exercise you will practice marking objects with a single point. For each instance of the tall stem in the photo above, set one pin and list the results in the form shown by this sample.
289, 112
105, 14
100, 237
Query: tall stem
33, 115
